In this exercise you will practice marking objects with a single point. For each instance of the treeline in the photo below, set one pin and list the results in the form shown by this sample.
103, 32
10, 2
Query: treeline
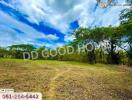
111, 45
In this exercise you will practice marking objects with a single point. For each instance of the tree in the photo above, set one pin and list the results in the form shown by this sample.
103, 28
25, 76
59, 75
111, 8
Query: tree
85, 35
100, 35
18, 50
126, 24
108, 39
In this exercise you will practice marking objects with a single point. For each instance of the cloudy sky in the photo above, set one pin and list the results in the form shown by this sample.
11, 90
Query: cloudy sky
50, 23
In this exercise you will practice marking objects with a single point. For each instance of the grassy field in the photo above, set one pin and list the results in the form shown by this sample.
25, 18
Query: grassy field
58, 80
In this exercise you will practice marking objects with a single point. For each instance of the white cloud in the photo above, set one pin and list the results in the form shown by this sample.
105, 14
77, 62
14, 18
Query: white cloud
69, 38
55, 13
58, 45
59, 13
52, 37
6, 4
10, 36
53, 45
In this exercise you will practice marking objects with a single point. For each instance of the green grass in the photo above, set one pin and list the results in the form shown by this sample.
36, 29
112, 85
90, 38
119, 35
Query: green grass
58, 80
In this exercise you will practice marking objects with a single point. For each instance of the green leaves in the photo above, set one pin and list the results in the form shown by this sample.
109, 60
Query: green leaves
126, 24
22, 47
126, 16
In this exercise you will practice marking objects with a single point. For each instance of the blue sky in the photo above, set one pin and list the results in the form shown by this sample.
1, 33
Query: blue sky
50, 23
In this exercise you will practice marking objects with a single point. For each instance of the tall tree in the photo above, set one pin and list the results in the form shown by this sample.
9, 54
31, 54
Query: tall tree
126, 23
84, 35
19, 49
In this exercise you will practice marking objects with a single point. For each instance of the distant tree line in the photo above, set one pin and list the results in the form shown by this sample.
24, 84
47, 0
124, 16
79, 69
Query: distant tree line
112, 45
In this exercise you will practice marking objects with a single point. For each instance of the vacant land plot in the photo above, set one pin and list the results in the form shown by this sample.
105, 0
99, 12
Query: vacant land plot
58, 80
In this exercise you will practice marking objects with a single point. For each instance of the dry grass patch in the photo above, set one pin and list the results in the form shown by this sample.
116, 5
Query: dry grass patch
67, 80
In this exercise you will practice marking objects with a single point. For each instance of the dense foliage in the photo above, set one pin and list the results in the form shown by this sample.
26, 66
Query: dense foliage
112, 45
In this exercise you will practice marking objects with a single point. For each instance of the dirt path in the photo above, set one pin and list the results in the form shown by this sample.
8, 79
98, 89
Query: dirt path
52, 84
